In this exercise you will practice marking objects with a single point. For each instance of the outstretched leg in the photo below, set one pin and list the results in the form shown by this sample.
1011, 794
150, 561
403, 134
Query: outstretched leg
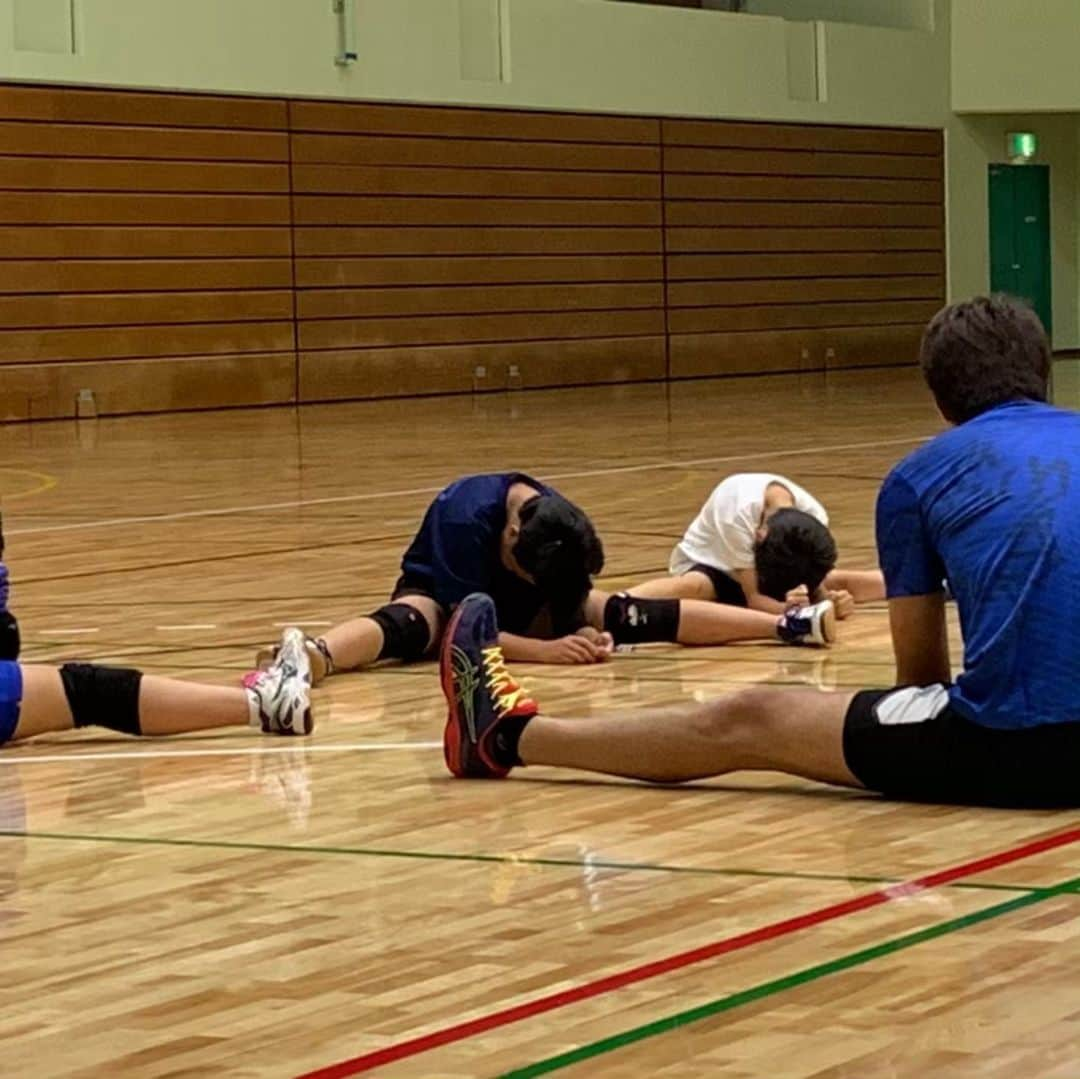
493, 724
39, 700
408, 628
165, 705
761, 728
632, 619
689, 585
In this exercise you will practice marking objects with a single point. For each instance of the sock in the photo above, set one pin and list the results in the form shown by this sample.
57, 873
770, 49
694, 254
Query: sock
504, 741
254, 711
321, 648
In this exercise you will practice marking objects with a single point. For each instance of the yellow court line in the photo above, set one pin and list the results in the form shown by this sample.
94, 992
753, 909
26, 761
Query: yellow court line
45, 482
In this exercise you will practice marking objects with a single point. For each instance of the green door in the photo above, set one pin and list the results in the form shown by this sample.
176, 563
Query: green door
1020, 235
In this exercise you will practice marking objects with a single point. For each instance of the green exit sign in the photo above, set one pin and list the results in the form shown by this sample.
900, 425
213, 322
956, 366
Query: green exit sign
1022, 145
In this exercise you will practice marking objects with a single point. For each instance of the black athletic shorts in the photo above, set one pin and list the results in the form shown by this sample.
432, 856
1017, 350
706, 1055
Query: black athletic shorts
521, 609
727, 589
910, 743
413, 584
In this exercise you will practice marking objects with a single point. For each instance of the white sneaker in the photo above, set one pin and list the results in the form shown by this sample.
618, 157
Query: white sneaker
318, 657
815, 624
280, 696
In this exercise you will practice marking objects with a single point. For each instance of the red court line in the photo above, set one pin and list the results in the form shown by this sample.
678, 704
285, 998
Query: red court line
460, 1031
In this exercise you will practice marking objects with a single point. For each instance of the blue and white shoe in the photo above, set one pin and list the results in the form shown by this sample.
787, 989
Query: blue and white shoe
481, 694
815, 624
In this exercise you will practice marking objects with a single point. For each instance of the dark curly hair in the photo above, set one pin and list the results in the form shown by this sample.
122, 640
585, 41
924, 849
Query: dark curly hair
982, 353
797, 549
558, 547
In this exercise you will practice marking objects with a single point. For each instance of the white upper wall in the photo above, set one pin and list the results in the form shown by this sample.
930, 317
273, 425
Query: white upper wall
565, 54
1016, 55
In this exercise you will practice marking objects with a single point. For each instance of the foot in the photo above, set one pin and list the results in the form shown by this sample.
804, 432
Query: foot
815, 624
280, 696
481, 695
318, 658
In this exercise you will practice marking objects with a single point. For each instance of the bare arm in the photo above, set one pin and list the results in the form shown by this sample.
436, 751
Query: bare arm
754, 599
572, 649
523, 649
920, 643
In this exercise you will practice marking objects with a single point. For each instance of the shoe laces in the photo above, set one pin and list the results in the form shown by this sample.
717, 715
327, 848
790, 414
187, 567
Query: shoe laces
506, 692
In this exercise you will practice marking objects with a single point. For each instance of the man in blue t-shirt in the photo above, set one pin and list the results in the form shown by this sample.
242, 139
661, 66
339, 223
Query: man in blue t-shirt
987, 506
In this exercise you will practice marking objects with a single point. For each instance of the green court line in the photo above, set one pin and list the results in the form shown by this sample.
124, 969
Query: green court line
788, 981
500, 859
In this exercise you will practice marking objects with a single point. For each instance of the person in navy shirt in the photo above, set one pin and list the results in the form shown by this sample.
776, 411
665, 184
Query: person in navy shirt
988, 507
505, 534
535, 554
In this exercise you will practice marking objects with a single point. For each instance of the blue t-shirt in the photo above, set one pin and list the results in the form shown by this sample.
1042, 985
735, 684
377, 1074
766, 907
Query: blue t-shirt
458, 549
990, 506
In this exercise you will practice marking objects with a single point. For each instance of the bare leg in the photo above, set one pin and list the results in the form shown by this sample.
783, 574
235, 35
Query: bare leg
359, 642
865, 586
717, 623
762, 728
353, 644
692, 585
166, 706
44, 706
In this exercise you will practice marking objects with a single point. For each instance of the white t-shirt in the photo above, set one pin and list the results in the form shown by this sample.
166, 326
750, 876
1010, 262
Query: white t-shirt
722, 535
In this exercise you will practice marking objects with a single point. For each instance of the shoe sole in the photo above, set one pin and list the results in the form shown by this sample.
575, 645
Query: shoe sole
452, 730
828, 627
308, 721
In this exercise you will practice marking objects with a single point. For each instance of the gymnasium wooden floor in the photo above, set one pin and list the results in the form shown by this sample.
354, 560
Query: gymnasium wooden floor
234, 905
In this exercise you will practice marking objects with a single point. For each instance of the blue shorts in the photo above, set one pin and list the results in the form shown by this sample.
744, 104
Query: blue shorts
10, 697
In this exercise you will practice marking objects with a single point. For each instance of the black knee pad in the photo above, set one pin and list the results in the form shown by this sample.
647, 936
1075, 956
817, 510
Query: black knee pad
405, 632
632, 620
103, 696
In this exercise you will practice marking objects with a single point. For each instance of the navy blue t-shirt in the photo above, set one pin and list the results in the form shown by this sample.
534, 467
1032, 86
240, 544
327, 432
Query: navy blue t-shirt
458, 549
991, 507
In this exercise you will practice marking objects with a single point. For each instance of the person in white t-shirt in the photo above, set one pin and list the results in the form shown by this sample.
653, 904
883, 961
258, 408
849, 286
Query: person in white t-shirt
762, 542
757, 563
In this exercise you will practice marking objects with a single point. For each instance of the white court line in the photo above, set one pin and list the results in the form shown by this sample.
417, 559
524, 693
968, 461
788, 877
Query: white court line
190, 626
370, 496
256, 751
65, 632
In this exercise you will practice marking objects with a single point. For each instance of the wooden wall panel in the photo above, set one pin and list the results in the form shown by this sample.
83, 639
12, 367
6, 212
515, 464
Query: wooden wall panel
775, 351
187, 251
145, 251
337, 375
48, 390
795, 247
431, 242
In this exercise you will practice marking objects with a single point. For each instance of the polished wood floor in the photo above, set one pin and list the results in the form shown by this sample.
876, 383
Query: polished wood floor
231, 905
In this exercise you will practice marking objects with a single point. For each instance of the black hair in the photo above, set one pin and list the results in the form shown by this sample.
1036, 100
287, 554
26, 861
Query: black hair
797, 550
559, 548
982, 353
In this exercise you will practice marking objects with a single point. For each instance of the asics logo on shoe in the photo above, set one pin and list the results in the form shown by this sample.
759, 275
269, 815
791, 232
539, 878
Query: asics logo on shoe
466, 681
